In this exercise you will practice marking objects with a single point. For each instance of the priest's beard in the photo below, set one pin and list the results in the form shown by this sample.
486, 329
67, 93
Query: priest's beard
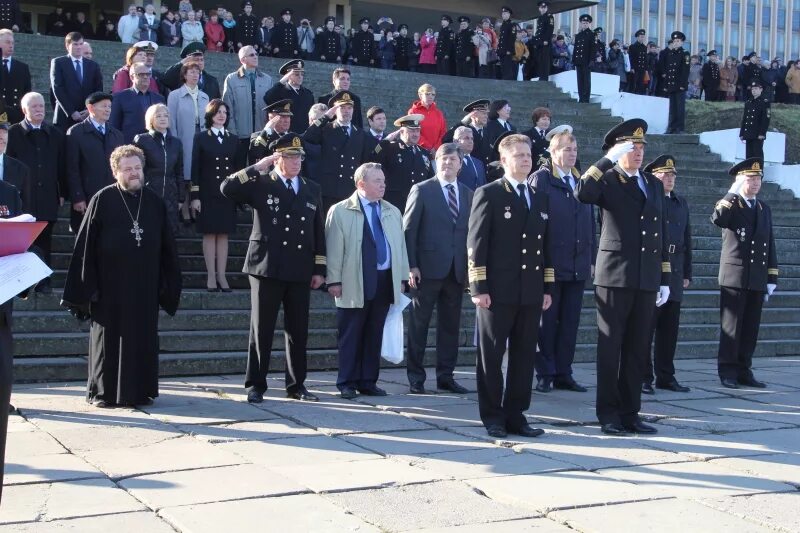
133, 184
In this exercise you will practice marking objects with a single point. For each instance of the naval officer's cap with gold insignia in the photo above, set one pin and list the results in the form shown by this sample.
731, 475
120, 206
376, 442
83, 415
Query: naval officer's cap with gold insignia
281, 107
410, 121
632, 130
289, 144
753, 166
662, 163
341, 97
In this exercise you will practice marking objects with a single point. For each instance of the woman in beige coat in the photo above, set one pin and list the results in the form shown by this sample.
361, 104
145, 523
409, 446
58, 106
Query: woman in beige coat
728, 76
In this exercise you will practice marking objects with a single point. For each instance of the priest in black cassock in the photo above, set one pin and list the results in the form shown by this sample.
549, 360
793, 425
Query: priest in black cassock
124, 267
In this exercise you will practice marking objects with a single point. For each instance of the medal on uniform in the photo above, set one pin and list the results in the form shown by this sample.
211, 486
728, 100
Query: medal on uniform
275, 221
742, 236
507, 215
545, 216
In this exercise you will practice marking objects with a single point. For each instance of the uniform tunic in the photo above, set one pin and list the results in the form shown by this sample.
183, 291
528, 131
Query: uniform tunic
403, 166
302, 100
505, 50
638, 56
14, 84
328, 46
582, 57
464, 49
284, 38
363, 48
711, 81
246, 30
404, 51
212, 162
543, 41
674, 69
755, 123
444, 51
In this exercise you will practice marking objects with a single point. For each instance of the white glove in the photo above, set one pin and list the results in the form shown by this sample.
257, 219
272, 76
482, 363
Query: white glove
618, 150
663, 295
737, 185
770, 290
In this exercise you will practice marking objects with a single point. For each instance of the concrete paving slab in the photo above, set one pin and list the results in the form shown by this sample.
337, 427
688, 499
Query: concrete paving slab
559, 490
539, 525
776, 511
312, 450
698, 392
23, 444
136, 522
207, 485
693, 480
354, 475
55, 420
17, 424
272, 429
288, 514
340, 417
654, 411
660, 516
182, 453
68, 499
440, 504
563, 411
48, 468
736, 407
765, 442
415, 442
446, 416
703, 446
722, 424
782, 467
107, 437
490, 462
401, 401
206, 411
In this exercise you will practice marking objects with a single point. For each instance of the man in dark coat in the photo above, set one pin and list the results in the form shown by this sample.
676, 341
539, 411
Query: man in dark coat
40, 146
476, 119
755, 122
72, 79
404, 48
279, 117
637, 52
195, 52
583, 56
632, 272
284, 259
674, 81
327, 45
246, 26
543, 40
666, 319
711, 78
444, 47
745, 285
363, 48
88, 147
464, 50
13, 171
124, 267
505, 45
130, 105
15, 78
341, 82
10, 15
290, 87
283, 40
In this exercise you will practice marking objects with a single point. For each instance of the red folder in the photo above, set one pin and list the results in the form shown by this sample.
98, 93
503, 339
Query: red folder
17, 237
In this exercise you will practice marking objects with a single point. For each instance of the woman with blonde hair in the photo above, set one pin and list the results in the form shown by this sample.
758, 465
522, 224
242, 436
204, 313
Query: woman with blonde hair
728, 77
122, 77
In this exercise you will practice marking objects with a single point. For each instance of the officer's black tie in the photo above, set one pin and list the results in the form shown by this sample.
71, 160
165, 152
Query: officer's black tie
290, 188
521, 189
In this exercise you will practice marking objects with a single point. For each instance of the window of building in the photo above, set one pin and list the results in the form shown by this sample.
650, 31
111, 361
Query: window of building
795, 45
687, 8
734, 50
703, 9
619, 24
654, 6
781, 19
780, 49
766, 16
637, 5
750, 20
796, 20
652, 29
735, 12
619, 4
601, 19
636, 23
719, 11
719, 35
734, 41
670, 7
749, 39
765, 35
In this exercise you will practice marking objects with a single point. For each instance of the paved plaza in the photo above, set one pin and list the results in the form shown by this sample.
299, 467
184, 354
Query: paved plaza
201, 459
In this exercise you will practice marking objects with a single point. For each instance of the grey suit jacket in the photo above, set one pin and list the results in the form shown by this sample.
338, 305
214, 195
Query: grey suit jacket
435, 242
182, 122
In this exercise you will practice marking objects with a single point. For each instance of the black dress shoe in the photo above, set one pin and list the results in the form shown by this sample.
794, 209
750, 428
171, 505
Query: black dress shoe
102, 404
647, 388
613, 429
527, 431
254, 396
373, 391
674, 386
302, 394
451, 385
348, 393
640, 427
544, 384
729, 383
752, 382
568, 384
417, 388
144, 403
497, 432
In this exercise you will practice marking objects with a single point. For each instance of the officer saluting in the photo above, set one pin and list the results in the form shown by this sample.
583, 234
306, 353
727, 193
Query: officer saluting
290, 86
286, 255
545, 24
667, 317
279, 116
582, 56
755, 122
748, 272
404, 163
510, 275
632, 272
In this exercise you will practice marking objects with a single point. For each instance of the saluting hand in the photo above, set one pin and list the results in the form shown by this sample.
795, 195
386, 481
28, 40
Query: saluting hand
265, 162
618, 150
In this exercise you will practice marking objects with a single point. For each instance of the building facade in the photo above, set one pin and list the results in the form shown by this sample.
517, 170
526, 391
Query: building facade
771, 28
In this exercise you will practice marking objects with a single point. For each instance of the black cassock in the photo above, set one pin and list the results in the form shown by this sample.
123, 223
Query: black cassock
122, 282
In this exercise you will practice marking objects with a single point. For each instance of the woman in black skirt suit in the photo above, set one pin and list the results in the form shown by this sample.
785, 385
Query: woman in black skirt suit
213, 154
163, 167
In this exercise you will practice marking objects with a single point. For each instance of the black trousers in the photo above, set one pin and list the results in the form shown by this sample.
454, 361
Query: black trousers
240, 158
361, 337
266, 297
75, 219
446, 295
6, 379
677, 112
508, 68
666, 320
754, 148
444, 66
639, 86
465, 69
543, 62
740, 320
401, 63
514, 328
584, 76
559, 330
624, 318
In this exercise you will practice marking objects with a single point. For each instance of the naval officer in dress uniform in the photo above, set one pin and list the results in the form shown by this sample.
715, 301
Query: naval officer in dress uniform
279, 118
632, 272
674, 70
404, 162
755, 122
748, 272
510, 276
543, 40
286, 256
291, 86
583, 56
284, 40
666, 319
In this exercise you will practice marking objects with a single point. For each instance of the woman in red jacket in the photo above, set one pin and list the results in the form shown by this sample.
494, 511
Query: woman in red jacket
215, 34
427, 56
434, 126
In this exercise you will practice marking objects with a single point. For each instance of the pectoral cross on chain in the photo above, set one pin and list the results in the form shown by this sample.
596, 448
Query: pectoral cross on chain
137, 231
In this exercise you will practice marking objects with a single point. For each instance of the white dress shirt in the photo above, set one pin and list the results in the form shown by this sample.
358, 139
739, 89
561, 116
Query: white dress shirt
443, 183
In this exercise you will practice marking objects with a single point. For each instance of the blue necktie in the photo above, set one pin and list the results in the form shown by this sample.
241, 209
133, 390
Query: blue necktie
101, 129
79, 70
377, 234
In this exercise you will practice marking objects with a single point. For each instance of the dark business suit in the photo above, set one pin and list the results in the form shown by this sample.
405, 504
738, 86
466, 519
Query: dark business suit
13, 86
632, 263
88, 164
128, 109
472, 173
495, 129
437, 246
539, 144
69, 90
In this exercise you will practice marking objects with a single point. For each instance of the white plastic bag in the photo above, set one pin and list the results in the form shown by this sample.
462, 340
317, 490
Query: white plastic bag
392, 345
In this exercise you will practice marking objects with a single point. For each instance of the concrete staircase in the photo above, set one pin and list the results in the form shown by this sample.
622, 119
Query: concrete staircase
209, 334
